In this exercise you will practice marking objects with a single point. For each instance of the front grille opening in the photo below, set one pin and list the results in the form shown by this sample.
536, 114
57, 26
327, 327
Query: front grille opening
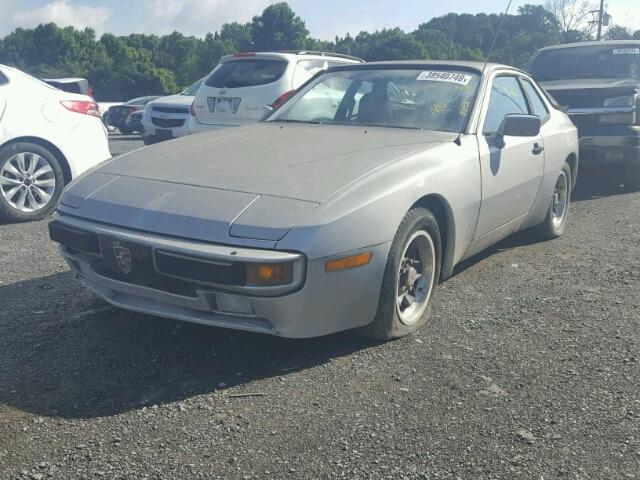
156, 108
201, 270
156, 282
167, 122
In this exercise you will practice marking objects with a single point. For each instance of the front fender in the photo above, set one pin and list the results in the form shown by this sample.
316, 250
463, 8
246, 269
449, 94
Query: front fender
369, 211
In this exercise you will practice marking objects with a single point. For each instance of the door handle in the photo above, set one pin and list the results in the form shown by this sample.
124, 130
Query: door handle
537, 149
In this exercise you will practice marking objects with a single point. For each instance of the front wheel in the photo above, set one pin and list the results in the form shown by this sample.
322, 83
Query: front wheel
411, 275
31, 182
558, 212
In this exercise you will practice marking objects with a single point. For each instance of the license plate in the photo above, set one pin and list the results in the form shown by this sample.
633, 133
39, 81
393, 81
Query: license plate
223, 105
164, 133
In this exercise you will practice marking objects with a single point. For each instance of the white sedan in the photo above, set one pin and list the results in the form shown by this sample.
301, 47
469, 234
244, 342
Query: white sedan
47, 138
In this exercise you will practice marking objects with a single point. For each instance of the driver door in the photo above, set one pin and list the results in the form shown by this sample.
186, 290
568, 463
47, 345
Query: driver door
512, 167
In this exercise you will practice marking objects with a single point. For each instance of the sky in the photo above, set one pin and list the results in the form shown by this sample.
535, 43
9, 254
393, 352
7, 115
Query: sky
324, 18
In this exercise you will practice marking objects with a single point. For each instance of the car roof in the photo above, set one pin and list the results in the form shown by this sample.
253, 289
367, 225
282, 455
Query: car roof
470, 66
592, 44
291, 55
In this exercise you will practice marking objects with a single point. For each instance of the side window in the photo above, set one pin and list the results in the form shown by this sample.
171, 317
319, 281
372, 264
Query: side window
305, 69
322, 101
537, 104
506, 98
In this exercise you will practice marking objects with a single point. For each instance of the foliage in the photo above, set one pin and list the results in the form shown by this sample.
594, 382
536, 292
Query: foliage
121, 67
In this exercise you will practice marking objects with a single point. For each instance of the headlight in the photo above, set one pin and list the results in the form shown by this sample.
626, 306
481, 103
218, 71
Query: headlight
623, 101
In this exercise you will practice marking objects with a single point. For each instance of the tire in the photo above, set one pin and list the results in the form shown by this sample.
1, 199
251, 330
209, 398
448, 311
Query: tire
555, 220
149, 140
418, 234
125, 130
39, 185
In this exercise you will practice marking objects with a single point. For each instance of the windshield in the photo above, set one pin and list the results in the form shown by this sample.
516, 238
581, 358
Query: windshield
246, 73
193, 89
600, 61
422, 99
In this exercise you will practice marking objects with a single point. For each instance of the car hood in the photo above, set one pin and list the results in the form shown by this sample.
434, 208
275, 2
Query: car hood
178, 100
252, 182
305, 162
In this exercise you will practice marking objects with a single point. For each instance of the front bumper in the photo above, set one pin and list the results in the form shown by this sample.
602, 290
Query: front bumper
160, 132
317, 303
610, 145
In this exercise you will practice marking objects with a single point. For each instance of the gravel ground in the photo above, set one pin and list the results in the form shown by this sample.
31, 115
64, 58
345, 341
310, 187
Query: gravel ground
528, 369
119, 144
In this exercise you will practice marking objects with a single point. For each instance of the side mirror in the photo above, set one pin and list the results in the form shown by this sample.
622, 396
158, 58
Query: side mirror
518, 126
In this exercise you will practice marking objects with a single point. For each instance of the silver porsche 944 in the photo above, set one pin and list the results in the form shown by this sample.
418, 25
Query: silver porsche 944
341, 210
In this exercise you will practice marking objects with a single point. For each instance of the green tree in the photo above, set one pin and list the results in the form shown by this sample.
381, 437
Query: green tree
278, 28
617, 32
238, 34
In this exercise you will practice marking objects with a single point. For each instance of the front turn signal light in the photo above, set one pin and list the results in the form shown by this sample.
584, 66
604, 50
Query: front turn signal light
269, 274
351, 261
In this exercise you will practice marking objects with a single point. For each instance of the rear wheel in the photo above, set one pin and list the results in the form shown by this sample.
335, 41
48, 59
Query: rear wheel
125, 130
556, 218
411, 274
31, 182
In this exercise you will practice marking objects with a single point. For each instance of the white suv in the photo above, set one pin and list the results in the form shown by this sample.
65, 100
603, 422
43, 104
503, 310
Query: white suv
242, 85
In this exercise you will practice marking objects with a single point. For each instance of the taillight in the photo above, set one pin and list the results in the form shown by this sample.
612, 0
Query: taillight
282, 99
81, 106
192, 109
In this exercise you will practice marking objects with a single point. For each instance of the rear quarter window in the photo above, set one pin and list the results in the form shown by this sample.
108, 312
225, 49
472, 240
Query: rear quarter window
246, 73
3, 79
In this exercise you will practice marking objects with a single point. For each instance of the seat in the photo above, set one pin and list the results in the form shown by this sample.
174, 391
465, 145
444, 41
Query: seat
375, 107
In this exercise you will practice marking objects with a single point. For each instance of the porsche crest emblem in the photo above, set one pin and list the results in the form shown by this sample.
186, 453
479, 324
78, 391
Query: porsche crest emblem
123, 259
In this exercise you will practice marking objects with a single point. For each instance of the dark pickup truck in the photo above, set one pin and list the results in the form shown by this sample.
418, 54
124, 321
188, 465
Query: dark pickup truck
599, 84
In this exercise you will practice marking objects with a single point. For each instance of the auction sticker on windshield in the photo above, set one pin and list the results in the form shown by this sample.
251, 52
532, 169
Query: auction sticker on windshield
451, 77
626, 51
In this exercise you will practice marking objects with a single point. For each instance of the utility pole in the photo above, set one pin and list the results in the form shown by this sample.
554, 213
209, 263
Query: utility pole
600, 20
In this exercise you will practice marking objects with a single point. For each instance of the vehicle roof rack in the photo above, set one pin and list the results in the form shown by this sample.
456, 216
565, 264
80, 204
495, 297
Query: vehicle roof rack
321, 54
